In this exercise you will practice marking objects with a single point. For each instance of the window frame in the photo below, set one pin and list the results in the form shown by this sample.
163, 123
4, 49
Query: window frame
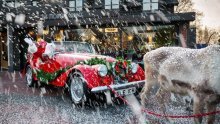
112, 4
78, 5
150, 3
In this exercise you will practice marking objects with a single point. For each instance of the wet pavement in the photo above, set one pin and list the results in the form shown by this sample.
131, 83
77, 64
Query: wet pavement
48, 105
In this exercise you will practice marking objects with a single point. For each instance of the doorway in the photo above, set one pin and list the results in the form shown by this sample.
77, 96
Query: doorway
4, 50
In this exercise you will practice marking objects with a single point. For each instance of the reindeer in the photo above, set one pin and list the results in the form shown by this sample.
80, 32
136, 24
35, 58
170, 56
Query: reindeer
152, 62
188, 71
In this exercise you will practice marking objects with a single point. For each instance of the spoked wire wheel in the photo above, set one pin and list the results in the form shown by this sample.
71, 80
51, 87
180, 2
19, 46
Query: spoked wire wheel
77, 88
29, 77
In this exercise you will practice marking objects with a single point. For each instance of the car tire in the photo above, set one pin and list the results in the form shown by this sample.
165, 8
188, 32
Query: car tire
77, 88
29, 77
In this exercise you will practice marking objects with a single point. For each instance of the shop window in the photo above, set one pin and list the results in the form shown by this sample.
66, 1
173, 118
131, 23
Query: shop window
150, 4
75, 5
59, 35
72, 6
111, 4
107, 4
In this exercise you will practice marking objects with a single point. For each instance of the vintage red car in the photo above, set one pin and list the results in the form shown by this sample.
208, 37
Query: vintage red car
76, 66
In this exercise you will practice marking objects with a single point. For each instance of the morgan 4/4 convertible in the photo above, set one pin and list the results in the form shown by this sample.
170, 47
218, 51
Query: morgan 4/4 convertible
76, 66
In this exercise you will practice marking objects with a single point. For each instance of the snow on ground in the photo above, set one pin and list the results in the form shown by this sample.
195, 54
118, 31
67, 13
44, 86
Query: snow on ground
24, 105
55, 109
49, 110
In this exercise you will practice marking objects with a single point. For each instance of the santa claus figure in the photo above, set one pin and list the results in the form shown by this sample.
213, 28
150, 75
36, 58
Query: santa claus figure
42, 61
40, 51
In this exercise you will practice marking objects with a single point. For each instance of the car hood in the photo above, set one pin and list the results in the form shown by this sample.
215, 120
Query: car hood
68, 59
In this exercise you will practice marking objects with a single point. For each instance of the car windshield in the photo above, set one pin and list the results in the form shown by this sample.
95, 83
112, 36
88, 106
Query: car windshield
74, 46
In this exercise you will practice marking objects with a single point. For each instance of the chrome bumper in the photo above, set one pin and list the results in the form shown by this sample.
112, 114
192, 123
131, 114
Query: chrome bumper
137, 84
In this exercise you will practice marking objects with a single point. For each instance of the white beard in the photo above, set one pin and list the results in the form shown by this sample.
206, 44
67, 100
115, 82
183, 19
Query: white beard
32, 48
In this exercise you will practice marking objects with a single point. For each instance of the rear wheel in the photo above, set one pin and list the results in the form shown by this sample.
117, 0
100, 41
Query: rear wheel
29, 77
77, 88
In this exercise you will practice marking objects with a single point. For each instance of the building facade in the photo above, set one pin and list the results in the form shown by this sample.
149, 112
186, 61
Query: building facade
115, 23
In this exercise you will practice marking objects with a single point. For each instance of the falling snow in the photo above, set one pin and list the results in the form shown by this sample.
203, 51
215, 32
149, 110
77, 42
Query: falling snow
47, 104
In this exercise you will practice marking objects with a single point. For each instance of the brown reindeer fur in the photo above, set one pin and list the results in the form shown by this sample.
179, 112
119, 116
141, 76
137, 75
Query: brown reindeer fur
152, 62
185, 71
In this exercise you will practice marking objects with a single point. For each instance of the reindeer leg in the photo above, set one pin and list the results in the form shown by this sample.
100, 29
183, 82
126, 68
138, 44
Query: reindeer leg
198, 107
210, 108
161, 93
150, 80
161, 96
211, 105
145, 91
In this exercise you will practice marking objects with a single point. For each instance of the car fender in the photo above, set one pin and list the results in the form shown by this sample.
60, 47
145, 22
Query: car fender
90, 75
139, 75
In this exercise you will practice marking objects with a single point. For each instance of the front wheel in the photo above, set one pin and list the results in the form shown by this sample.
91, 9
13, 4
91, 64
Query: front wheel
77, 88
29, 77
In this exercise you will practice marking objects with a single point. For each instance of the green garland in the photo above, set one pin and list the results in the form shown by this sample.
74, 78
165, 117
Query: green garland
93, 61
47, 77
96, 61
119, 62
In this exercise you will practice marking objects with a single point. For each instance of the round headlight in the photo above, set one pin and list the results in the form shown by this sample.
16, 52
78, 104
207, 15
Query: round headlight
102, 70
134, 67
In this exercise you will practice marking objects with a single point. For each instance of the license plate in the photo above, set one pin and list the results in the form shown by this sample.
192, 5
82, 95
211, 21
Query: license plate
125, 92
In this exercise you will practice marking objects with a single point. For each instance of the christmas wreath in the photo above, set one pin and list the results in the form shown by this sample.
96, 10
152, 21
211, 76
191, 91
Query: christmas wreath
122, 67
